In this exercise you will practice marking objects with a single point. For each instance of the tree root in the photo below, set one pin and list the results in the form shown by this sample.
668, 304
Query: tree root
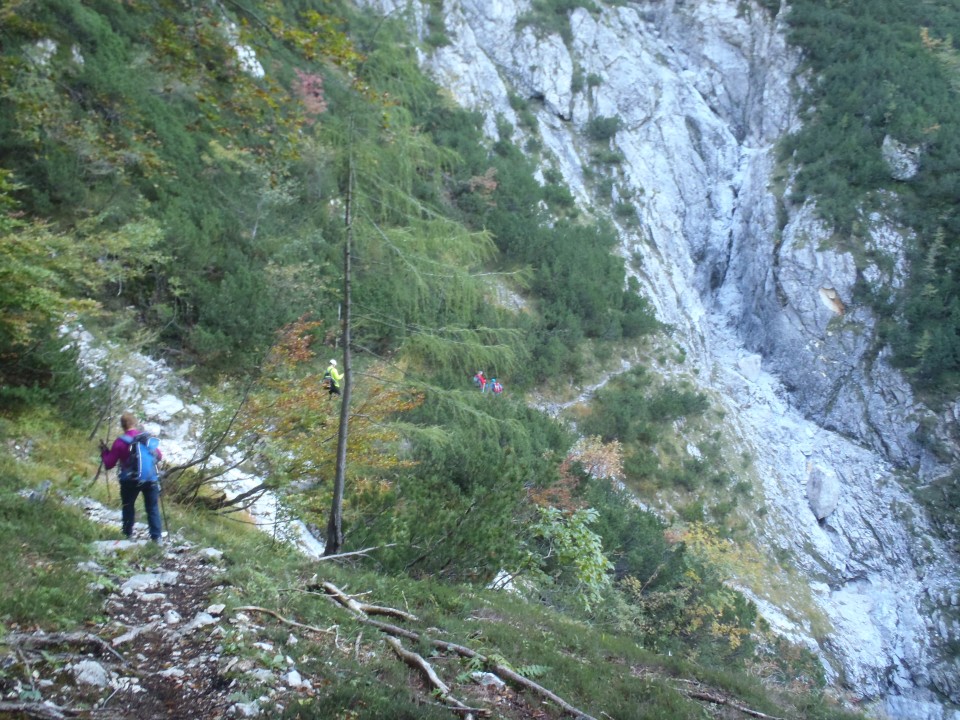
267, 611
30, 641
418, 663
501, 670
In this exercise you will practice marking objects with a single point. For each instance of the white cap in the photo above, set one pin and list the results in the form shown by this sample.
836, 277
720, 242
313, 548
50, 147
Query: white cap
333, 362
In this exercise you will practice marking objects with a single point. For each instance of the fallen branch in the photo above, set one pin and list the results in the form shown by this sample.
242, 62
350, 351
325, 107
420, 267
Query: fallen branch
363, 608
352, 553
463, 651
31, 641
718, 700
33, 710
49, 711
418, 663
267, 611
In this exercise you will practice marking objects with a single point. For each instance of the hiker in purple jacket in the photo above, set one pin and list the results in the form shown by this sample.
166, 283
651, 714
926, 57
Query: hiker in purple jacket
119, 454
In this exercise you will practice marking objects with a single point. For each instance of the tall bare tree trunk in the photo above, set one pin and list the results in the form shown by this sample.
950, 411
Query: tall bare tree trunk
335, 523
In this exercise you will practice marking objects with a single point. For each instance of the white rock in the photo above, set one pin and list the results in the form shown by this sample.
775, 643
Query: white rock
823, 491
245, 710
216, 609
201, 619
172, 617
162, 409
106, 547
147, 581
90, 672
488, 679
749, 367
293, 679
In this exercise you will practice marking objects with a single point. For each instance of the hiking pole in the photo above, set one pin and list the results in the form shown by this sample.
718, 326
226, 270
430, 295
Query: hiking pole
106, 411
163, 509
95, 477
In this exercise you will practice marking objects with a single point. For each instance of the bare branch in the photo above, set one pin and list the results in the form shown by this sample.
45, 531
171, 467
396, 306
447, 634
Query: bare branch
354, 552
256, 608
718, 700
363, 608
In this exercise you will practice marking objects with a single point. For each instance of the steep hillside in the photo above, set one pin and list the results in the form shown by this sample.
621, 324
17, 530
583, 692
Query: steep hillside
767, 229
706, 455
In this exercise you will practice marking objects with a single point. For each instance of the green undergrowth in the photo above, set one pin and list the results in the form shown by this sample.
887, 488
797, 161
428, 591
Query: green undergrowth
595, 670
354, 672
41, 540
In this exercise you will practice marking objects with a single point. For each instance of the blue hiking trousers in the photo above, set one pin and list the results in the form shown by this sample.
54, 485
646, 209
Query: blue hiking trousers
151, 503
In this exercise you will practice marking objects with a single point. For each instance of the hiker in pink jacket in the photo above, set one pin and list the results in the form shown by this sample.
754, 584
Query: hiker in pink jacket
119, 454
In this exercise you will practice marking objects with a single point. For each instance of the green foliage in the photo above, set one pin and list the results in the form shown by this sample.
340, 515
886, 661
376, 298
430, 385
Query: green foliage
631, 409
601, 129
41, 542
571, 554
553, 16
942, 499
145, 112
886, 68
455, 512
45, 275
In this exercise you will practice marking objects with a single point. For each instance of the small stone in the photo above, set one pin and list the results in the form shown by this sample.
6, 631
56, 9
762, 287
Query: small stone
153, 597
201, 619
90, 672
171, 617
211, 553
487, 679
293, 679
245, 710
216, 609
131, 634
262, 675
106, 547
173, 672
148, 581
292, 639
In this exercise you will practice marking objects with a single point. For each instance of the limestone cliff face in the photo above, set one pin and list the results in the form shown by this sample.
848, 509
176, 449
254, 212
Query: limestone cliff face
760, 295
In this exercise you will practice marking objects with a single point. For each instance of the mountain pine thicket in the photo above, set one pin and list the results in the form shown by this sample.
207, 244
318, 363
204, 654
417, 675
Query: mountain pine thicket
167, 190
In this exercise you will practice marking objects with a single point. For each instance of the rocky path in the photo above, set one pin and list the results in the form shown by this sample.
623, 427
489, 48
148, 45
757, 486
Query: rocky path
156, 652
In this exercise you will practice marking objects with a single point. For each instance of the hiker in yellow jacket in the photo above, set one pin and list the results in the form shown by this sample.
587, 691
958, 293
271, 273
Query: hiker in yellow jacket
332, 378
